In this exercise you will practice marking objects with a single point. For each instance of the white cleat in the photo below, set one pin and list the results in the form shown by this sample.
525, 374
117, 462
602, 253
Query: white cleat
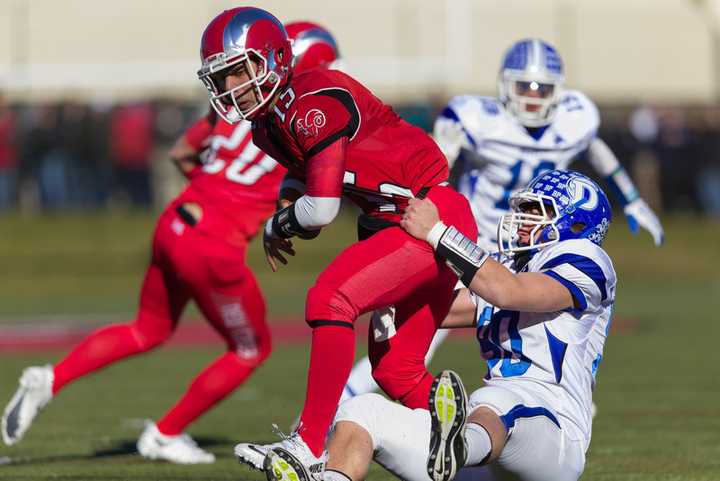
252, 454
448, 412
33, 394
289, 459
293, 461
179, 449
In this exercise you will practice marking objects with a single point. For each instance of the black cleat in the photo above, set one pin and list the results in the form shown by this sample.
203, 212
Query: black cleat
448, 411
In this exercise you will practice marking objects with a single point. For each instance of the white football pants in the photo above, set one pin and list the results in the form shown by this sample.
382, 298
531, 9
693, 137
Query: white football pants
537, 449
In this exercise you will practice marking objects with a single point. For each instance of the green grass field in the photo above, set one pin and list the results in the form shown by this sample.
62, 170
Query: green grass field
658, 388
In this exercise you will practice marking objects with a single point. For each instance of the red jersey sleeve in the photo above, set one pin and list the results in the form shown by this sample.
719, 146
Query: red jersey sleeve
322, 117
197, 134
325, 170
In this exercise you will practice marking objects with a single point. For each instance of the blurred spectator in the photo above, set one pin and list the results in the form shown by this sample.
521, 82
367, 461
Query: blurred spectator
75, 152
708, 176
677, 150
44, 157
645, 129
83, 137
171, 118
8, 156
131, 143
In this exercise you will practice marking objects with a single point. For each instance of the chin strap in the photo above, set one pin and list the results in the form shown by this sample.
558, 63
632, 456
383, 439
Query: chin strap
461, 254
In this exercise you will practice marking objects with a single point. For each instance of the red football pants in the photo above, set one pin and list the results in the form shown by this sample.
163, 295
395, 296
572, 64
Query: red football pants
389, 268
186, 264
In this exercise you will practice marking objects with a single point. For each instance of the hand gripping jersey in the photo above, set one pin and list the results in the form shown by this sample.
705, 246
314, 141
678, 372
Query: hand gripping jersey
238, 183
499, 155
555, 355
387, 160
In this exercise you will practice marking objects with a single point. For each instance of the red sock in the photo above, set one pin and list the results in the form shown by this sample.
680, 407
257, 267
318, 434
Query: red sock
99, 349
211, 386
331, 359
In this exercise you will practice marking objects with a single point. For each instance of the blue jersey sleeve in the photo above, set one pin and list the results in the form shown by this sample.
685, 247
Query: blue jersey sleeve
585, 270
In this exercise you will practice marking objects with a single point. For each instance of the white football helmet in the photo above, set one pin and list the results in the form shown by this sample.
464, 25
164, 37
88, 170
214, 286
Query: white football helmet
530, 81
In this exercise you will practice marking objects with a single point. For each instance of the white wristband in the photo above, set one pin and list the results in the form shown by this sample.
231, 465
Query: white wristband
433, 237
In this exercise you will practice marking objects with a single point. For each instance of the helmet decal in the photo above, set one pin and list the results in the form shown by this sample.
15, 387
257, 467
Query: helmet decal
571, 206
583, 194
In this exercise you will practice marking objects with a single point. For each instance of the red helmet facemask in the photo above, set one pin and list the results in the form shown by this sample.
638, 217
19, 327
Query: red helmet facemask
248, 38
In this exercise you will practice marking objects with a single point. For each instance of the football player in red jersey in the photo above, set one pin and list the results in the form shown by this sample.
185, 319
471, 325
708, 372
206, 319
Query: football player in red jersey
198, 253
336, 138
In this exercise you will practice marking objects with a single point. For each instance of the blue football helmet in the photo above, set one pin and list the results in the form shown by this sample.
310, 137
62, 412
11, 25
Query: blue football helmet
571, 206
530, 81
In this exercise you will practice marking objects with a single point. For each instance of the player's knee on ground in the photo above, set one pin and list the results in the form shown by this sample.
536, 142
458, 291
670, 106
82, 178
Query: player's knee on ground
327, 303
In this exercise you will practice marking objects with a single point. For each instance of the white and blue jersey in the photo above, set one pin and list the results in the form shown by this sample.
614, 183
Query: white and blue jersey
498, 155
555, 355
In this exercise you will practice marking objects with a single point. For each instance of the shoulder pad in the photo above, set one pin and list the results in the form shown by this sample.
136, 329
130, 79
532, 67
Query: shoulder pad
574, 247
577, 116
480, 116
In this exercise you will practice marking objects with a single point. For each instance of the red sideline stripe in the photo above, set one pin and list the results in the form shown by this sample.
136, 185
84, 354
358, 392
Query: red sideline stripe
188, 334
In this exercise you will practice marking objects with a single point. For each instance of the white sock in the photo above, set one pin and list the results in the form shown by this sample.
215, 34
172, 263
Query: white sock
478, 444
334, 475
439, 338
360, 380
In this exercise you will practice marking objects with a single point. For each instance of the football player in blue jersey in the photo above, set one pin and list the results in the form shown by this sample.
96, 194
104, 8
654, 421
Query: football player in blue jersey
534, 125
542, 311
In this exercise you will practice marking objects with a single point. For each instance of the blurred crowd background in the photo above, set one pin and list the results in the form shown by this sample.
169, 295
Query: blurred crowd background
91, 98
81, 156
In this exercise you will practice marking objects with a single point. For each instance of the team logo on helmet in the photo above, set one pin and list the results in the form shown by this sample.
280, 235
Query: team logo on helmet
570, 205
583, 195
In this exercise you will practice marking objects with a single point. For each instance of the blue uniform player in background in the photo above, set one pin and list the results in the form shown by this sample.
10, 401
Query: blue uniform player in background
535, 125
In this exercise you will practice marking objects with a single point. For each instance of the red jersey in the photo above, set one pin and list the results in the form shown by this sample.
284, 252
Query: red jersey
238, 184
386, 161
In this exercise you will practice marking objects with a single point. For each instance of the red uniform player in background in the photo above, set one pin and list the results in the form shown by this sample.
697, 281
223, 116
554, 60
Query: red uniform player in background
336, 138
198, 253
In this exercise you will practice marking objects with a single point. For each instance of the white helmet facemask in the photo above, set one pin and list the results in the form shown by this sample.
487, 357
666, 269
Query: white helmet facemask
530, 81
508, 237
531, 100
225, 101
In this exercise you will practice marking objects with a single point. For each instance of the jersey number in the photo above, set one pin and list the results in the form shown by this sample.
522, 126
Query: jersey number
513, 362
386, 191
284, 102
235, 172
515, 171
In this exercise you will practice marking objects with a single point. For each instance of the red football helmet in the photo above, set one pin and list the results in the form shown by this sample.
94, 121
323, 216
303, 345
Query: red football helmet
238, 36
312, 46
